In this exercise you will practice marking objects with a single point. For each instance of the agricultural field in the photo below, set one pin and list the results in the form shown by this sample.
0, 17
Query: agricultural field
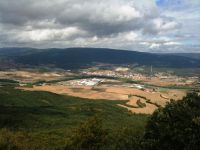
151, 99
120, 83
33, 75
44, 109
43, 120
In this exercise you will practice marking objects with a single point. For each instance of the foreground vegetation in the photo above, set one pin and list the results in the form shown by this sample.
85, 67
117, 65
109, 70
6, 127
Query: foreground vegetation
42, 120
175, 127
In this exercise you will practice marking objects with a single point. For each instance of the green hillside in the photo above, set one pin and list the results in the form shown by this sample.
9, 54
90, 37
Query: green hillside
48, 120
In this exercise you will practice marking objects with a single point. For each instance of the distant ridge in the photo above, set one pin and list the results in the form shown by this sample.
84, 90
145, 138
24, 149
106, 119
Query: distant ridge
72, 58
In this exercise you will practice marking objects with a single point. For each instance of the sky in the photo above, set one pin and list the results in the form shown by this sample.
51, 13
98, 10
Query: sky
167, 26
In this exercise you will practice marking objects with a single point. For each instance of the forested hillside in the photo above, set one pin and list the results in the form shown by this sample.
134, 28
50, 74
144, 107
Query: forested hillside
75, 58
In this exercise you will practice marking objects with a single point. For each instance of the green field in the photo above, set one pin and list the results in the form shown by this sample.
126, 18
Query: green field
43, 120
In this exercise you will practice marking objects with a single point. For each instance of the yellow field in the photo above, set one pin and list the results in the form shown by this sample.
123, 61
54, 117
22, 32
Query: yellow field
116, 93
32, 76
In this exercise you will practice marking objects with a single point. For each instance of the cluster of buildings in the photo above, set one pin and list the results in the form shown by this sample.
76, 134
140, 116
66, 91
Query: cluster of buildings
118, 74
86, 82
124, 73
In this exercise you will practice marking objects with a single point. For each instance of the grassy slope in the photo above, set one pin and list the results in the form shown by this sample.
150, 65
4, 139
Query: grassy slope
49, 119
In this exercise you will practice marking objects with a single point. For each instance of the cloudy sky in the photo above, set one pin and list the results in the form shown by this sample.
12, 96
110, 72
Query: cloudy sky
142, 25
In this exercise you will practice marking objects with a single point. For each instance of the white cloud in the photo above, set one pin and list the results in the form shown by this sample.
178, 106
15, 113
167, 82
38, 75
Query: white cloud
131, 36
172, 43
154, 46
127, 24
163, 25
49, 34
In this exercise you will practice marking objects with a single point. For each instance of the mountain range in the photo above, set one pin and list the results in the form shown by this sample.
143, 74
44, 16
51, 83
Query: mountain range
74, 58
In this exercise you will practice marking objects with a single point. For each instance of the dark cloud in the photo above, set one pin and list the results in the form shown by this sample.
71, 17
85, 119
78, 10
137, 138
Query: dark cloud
62, 23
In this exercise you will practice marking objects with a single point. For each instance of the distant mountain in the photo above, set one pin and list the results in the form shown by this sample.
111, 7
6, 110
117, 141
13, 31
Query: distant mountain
11, 52
189, 55
72, 58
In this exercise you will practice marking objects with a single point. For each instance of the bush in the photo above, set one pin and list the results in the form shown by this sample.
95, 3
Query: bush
89, 136
140, 104
175, 127
127, 138
10, 140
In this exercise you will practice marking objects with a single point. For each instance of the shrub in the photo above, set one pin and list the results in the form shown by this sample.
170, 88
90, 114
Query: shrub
175, 127
89, 136
140, 104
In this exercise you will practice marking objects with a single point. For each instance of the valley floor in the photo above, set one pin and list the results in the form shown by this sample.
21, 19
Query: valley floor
151, 99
